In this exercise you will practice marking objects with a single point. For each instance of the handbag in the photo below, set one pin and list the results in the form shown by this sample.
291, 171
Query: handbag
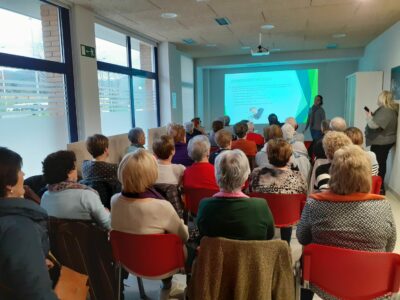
71, 285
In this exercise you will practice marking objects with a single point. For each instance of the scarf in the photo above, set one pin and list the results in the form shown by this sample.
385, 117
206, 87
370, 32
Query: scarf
148, 193
68, 185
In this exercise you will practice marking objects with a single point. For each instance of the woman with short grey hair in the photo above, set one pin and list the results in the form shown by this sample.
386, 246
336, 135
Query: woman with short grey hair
230, 213
199, 148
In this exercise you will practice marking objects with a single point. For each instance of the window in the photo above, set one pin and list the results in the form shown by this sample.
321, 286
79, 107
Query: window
187, 88
37, 105
127, 82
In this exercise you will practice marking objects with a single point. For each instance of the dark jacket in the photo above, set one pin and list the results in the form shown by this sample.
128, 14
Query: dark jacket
24, 245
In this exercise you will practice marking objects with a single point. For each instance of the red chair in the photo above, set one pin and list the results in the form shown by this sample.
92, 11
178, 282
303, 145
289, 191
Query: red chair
193, 196
376, 185
285, 208
351, 274
152, 256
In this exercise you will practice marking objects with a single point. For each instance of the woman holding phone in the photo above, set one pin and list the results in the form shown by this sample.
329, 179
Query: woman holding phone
381, 130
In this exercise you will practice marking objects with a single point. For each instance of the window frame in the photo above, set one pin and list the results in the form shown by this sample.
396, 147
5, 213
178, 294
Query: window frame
65, 68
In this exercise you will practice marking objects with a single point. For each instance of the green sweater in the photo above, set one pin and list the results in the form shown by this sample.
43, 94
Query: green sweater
235, 218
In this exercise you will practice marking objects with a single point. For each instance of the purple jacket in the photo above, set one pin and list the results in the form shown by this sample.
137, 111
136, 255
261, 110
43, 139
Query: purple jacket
181, 155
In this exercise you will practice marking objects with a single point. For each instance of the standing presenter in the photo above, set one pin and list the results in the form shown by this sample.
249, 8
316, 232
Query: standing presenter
316, 115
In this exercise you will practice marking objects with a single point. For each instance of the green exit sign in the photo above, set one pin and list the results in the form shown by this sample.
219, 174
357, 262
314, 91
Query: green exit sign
88, 51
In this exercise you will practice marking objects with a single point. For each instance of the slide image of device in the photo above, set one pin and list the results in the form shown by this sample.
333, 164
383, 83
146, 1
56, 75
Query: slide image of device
256, 113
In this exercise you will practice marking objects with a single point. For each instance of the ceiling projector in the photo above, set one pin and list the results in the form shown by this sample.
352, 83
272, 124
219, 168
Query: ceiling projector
261, 51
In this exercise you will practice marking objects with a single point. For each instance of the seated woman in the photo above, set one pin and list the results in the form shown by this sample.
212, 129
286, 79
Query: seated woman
201, 174
348, 216
178, 133
270, 132
23, 234
217, 125
67, 199
230, 213
137, 138
168, 173
279, 178
333, 141
223, 139
357, 137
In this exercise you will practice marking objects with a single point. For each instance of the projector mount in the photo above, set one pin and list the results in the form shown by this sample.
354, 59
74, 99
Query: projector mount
261, 50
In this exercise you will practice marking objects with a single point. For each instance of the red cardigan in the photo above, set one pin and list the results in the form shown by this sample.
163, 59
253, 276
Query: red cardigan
200, 175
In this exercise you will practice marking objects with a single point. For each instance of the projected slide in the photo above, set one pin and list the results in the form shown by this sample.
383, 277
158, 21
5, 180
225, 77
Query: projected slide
253, 96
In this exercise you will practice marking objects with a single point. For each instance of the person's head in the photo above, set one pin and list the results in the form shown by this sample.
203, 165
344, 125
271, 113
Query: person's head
385, 99
333, 141
231, 170
325, 125
136, 136
318, 100
292, 121
137, 171
164, 147
11, 175
196, 122
272, 132
97, 145
223, 138
273, 119
288, 132
338, 124
350, 171
177, 131
217, 125
355, 135
226, 120
60, 166
279, 152
240, 129
189, 127
199, 148
250, 125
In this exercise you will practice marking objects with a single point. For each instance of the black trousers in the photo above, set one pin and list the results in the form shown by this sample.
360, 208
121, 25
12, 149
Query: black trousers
286, 234
381, 152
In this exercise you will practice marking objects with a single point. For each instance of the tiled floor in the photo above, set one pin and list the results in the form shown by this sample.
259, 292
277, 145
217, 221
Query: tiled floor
152, 287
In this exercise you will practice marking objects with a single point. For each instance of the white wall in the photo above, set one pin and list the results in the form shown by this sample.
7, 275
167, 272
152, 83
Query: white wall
382, 54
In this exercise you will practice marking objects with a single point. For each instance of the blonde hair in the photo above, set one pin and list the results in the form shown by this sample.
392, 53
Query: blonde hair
385, 99
334, 140
279, 152
350, 171
272, 132
355, 135
223, 138
137, 171
177, 131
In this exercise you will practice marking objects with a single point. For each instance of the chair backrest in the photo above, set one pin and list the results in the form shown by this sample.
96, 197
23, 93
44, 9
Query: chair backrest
193, 196
285, 208
84, 247
317, 163
104, 188
376, 185
252, 162
148, 255
351, 274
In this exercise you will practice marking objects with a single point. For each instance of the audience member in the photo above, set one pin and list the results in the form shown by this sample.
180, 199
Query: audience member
279, 178
223, 139
347, 216
252, 136
299, 157
177, 132
357, 137
227, 121
338, 124
137, 138
316, 115
168, 173
216, 126
297, 136
67, 199
381, 130
230, 213
248, 147
189, 127
197, 129
317, 148
201, 174
23, 234
333, 141
273, 120
270, 132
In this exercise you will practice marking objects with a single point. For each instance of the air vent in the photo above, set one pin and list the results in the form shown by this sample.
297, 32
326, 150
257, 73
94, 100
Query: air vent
223, 21
189, 41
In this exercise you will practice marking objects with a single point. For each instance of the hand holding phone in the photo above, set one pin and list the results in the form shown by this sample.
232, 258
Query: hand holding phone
366, 109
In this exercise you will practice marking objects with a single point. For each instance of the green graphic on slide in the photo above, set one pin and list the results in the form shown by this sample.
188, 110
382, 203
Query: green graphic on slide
254, 96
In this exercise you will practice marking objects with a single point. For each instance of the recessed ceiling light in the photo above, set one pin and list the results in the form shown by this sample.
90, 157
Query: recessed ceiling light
211, 45
267, 26
169, 15
245, 47
339, 35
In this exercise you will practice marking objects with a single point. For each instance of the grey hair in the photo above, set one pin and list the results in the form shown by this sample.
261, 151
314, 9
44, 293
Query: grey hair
199, 147
231, 169
338, 124
292, 121
188, 127
134, 135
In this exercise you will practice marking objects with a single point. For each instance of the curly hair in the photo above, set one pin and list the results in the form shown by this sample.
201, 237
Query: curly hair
57, 166
334, 140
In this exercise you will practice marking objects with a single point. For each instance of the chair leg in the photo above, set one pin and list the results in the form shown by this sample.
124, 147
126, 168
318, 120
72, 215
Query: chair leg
119, 283
141, 288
